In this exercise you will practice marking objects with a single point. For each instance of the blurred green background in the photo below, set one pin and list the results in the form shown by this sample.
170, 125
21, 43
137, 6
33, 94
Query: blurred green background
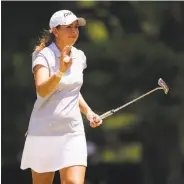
129, 46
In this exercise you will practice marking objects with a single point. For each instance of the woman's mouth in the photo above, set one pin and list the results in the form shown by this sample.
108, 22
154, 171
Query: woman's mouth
72, 37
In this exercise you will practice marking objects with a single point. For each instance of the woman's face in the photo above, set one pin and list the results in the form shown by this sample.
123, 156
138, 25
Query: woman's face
67, 35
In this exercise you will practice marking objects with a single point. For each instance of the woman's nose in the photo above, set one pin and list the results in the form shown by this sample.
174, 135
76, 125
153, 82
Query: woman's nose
74, 30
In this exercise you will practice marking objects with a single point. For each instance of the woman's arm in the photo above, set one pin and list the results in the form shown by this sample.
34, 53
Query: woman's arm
45, 84
90, 115
84, 108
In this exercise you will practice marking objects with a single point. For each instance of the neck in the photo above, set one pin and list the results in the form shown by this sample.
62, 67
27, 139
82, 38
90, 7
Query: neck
59, 45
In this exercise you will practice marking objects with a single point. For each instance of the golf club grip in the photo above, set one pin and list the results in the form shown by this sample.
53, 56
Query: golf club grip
106, 114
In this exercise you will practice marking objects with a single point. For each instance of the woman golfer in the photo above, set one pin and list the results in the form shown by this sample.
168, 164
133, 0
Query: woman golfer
56, 138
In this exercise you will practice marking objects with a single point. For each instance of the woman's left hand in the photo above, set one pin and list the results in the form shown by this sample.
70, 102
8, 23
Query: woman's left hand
94, 119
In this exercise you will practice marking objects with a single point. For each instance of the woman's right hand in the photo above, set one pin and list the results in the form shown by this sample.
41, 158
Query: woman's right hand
65, 65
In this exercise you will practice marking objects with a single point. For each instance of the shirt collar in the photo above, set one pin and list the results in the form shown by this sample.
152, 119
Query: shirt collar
55, 49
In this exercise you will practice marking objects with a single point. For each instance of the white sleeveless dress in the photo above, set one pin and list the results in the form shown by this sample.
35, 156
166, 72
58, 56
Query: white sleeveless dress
56, 137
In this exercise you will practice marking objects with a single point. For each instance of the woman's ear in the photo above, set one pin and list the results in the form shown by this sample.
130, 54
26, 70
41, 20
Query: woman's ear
55, 32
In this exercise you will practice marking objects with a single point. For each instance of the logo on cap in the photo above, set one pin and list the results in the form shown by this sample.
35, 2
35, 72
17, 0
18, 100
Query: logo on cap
66, 14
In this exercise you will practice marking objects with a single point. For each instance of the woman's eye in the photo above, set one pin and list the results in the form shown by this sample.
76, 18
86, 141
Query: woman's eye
70, 27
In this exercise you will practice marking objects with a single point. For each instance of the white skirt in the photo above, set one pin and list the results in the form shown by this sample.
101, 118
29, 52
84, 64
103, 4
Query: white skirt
52, 153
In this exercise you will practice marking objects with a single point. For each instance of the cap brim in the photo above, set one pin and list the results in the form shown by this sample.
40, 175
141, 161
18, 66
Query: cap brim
81, 21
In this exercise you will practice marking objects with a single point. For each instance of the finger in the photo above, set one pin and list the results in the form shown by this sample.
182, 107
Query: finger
93, 124
95, 119
66, 50
99, 123
98, 119
91, 119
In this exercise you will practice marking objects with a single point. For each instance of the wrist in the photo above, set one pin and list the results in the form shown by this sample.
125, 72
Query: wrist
59, 74
61, 70
88, 111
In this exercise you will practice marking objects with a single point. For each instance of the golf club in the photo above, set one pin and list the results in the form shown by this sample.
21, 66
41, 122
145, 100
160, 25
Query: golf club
161, 83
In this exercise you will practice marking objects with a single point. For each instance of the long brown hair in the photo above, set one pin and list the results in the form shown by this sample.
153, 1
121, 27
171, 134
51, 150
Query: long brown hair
45, 40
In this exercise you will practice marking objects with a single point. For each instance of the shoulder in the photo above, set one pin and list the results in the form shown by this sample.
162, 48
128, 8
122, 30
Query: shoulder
81, 55
80, 52
45, 53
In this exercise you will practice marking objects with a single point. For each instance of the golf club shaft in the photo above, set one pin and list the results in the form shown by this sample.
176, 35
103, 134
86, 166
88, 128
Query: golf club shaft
109, 113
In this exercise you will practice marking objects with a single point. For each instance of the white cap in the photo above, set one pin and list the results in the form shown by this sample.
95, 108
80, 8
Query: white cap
65, 17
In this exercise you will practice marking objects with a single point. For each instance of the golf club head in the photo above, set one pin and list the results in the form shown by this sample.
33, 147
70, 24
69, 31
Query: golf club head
163, 85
